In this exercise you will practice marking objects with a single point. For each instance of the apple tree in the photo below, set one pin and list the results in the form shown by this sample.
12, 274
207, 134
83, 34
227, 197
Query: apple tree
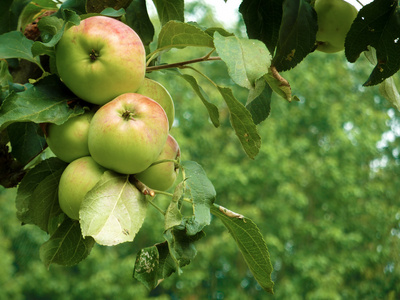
43, 92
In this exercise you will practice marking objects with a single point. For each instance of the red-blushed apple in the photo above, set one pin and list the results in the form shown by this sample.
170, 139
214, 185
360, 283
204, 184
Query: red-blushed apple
160, 94
100, 59
162, 176
127, 134
78, 178
69, 140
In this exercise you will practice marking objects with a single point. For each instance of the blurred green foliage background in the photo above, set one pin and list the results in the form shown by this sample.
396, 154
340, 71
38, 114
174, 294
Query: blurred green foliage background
323, 191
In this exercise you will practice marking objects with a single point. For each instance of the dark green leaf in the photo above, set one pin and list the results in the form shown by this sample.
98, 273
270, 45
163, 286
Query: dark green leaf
15, 45
5, 16
211, 108
296, 35
259, 105
29, 184
170, 10
263, 20
26, 140
202, 193
179, 35
247, 60
378, 25
242, 123
78, 6
173, 216
47, 101
138, 19
66, 246
251, 244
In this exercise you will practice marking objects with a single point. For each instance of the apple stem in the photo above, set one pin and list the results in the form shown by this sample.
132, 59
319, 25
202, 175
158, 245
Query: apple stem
144, 189
157, 192
156, 206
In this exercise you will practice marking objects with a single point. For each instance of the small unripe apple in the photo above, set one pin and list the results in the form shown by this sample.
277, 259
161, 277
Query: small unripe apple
160, 94
69, 140
334, 21
163, 175
78, 178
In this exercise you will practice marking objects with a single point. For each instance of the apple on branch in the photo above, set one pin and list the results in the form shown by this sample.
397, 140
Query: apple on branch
161, 176
127, 134
100, 59
334, 21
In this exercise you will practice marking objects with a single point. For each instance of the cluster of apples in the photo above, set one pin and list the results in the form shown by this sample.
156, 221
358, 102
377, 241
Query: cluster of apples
334, 21
126, 129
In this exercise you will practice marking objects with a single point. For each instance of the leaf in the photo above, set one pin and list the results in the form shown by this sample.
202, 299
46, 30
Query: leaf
170, 10
66, 246
247, 60
279, 84
242, 123
47, 101
33, 10
173, 216
111, 12
26, 141
5, 80
251, 244
262, 19
211, 108
138, 18
179, 35
97, 6
378, 25
5, 16
29, 188
113, 211
297, 34
14, 44
78, 6
259, 101
202, 193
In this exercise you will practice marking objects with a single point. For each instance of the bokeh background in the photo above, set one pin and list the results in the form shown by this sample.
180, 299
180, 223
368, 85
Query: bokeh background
324, 191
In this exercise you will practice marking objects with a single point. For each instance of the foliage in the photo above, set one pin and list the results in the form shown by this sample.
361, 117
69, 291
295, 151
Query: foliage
296, 185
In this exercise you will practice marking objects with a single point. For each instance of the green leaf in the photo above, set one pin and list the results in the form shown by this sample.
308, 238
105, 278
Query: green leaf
297, 34
251, 244
34, 10
66, 246
14, 44
138, 19
78, 6
113, 211
211, 108
173, 216
111, 12
247, 60
29, 188
5, 80
5, 16
259, 101
47, 101
179, 35
97, 6
202, 193
242, 123
263, 20
378, 25
279, 84
170, 10
27, 141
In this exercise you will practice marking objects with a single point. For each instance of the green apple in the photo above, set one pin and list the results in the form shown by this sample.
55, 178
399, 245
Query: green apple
163, 175
160, 94
127, 134
334, 21
78, 178
69, 140
100, 59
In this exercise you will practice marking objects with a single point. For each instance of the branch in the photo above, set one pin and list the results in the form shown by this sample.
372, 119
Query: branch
182, 63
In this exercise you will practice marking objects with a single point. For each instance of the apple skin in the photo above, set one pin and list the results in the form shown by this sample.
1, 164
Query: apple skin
78, 178
127, 134
163, 175
334, 21
100, 59
69, 140
156, 91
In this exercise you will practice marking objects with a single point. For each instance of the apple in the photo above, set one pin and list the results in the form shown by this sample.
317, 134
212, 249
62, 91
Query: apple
160, 94
162, 176
100, 59
78, 178
334, 21
127, 134
69, 140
